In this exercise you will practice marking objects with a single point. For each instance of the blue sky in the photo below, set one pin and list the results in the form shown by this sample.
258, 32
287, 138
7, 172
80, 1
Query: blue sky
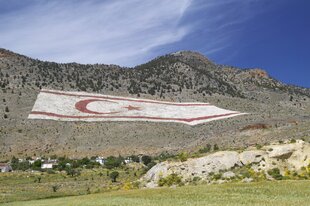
269, 34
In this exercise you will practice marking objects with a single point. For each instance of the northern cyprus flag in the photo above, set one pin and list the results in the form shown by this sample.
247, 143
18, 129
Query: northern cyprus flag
82, 106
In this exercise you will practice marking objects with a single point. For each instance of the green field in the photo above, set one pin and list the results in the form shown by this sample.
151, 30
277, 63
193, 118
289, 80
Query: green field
260, 193
21, 186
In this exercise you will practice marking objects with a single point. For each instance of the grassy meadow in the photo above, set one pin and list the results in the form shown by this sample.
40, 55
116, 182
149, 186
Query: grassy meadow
20, 186
286, 192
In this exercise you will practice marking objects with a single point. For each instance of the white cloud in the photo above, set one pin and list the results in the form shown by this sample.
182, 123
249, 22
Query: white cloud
118, 32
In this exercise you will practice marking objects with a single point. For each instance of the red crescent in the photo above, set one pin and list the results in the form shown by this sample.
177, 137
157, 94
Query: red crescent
82, 106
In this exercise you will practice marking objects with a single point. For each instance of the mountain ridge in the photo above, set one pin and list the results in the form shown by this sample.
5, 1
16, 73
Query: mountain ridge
179, 77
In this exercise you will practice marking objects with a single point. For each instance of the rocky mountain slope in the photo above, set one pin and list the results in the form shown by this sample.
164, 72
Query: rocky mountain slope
272, 162
276, 110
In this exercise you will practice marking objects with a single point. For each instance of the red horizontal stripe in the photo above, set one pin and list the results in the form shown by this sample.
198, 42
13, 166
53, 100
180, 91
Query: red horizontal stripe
125, 99
132, 117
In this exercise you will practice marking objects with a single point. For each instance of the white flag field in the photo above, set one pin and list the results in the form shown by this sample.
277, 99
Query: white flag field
82, 106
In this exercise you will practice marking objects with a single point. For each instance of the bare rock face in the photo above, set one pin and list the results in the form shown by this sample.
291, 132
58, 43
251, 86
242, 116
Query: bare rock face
228, 174
199, 167
254, 156
290, 156
258, 73
283, 151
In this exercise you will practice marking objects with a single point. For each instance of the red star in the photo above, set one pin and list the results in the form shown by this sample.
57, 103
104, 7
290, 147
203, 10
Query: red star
132, 108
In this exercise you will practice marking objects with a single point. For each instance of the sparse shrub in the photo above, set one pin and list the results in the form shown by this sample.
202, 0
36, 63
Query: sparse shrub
114, 175
55, 188
72, 172
244, 172
217, 176
215, 147
258, 146
164, 156
183, 156
287, 173
50, 171
293, 141
172, 179
275, 173
196, 179
127, 185
38, 179
205, 149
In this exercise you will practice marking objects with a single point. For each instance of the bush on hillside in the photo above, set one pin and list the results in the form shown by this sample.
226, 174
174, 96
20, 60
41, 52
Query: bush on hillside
275, 173
205, 149
146, 159
113, 175
170, 180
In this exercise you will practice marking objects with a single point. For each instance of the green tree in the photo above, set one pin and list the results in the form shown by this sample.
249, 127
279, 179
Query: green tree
114, 175
146, 159
73, 172
37, 164
14, 163
112, 162
55, 188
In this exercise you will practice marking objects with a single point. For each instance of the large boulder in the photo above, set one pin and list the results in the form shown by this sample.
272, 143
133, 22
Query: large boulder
282, 151
201, 167
291, 156
252, 156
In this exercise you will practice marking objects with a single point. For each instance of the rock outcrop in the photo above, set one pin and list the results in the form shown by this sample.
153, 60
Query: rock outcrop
289, 156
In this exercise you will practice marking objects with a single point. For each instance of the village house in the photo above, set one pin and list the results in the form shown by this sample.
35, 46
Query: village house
33, 159
100, 160
128, 160
4, 167
48, 164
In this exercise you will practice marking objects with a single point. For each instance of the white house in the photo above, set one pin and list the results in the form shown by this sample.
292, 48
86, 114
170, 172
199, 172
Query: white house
33, 159
49, 164
100, 160
128, 160
4, 167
